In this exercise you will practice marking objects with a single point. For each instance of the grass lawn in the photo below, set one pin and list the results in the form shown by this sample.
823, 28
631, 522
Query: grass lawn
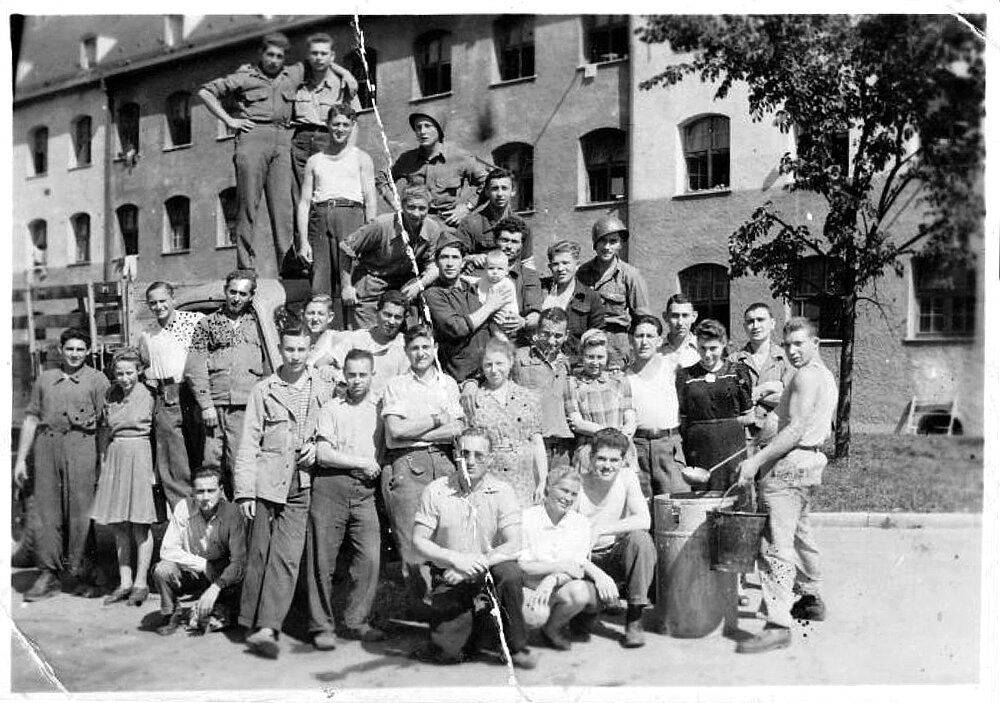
905, 473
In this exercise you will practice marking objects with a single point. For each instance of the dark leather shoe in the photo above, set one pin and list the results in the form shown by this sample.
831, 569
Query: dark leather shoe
582, 625
524, 659
556, 640
169, 624
634, 636
809, 607
264, 644
769, 638
45, 586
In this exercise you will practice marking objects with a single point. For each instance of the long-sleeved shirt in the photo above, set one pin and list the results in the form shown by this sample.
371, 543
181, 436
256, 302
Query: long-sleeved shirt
478, 233
460, 344
450, 173
621, 287
225, 360
258, 96
192, 540
380, 253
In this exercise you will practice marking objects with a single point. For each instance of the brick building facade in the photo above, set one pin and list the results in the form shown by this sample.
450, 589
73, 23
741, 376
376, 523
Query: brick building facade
553, 97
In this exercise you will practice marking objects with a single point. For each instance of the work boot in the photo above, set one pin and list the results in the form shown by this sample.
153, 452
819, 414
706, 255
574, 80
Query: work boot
809, 607
169, 623
45, 586
555, 639
364, 633
771, 637
325, 641
524, 659
634, 636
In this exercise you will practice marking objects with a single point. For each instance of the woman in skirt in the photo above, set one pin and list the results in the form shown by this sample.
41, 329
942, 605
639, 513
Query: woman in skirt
124, 498
714, 402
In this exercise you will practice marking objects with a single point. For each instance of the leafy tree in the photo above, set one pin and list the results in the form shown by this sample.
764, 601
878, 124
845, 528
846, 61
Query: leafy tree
910, 90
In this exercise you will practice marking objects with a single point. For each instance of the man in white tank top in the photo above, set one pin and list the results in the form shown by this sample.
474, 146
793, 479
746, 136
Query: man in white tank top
793, 467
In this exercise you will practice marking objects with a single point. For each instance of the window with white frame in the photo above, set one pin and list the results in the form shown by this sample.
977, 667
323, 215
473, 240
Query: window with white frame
178, 111
944, 297
225, 220
128, 227
605, 160
82, 135
707, 287
80, 222
518, 158
177, 224
606, 38
515, 46
706, 153
433, 60
818, 294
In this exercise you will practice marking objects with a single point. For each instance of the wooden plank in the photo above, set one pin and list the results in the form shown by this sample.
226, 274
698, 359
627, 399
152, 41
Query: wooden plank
78, 291
39, 322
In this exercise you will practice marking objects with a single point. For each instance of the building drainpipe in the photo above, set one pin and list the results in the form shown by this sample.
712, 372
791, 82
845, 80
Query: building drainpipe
108, 272
629, 129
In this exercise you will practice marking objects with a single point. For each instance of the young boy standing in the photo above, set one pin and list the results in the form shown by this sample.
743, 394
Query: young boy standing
544, 368
62, 415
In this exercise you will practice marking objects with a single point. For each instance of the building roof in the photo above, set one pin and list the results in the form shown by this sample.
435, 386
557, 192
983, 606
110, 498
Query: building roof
52, 50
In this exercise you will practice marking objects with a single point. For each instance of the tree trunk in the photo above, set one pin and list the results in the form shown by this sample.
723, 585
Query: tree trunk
843, 424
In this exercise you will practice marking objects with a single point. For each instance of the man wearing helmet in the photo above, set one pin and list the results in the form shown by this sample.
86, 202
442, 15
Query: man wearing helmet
453, 176
620, 285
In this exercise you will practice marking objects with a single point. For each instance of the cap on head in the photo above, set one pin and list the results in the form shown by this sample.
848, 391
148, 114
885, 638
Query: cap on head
609, 224
432, 118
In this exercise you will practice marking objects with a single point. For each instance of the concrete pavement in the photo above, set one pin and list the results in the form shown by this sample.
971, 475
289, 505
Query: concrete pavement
903, 606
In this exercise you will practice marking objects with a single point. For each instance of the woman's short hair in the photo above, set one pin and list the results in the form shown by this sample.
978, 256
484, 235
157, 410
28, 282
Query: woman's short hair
495, 344
564, 246
711, 329
593, 338
563, 472
129, 354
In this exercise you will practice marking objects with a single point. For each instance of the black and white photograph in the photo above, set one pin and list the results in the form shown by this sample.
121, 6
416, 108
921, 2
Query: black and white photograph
409, 354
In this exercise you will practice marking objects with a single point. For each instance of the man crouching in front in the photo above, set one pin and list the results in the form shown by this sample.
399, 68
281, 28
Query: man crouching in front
468, 525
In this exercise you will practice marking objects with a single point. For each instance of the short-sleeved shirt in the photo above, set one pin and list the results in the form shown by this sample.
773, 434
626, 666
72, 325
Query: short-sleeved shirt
64, 401
684, 354
352, 428
621, 287
379, 250
313, 103
259, 97
471, 523
407, 396
165, 349
390, 359
655, 398
603, 399
478, 232
543, 540
451, 174
532, 370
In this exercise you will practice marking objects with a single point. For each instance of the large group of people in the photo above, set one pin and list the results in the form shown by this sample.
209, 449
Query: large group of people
508, 431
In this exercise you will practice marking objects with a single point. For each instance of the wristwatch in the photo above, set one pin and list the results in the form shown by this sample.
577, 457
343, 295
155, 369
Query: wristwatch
436, 417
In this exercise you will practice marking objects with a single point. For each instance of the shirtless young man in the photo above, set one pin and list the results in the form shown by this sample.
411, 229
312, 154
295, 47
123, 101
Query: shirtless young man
794, 465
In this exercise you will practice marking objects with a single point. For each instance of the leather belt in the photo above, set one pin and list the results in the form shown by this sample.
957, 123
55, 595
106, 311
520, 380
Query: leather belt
657, 434
338, 202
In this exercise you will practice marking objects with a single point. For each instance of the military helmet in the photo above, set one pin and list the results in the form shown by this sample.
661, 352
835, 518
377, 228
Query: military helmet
609, 224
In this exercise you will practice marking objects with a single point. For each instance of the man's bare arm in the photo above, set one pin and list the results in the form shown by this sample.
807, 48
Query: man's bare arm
804, 392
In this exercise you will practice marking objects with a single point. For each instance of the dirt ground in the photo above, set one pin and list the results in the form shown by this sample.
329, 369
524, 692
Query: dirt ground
904, 609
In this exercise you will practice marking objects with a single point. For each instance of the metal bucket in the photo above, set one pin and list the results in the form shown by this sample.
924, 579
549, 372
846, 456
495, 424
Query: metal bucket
692, 600
736, 540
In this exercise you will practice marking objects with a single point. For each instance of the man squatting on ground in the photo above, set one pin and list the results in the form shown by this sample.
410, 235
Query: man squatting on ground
793, 467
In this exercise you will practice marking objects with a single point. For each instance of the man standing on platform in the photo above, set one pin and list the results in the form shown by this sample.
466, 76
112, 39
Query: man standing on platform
225, 361
264, 94
793, 467
453, 176
164, 347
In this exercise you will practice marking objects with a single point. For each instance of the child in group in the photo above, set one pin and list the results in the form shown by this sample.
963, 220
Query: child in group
318, 314
124, 498
544, 368
497, 277
595, 399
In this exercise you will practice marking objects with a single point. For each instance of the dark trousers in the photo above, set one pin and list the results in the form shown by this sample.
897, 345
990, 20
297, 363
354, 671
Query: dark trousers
660, 462
411, 471
631, 561
277, 539
171, 582
451, 603
170, 446
223, 442
329, 225
341, 509
305, 143
263, 167
65, 480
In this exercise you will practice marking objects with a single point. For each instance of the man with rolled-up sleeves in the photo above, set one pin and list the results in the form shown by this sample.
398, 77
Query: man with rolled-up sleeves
265, 95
